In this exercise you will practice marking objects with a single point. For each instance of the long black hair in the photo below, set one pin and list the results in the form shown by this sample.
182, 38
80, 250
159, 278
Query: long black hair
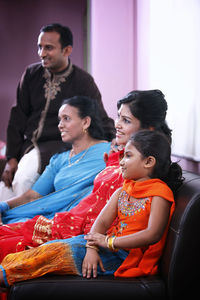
150, 108
88, 107
156, 144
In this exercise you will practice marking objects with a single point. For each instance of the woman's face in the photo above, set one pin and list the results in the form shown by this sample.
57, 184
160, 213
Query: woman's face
71, 126
126, 124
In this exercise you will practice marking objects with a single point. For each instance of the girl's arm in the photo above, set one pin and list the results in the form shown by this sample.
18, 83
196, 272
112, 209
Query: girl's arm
99, 228
159, 216
158, 220
107, 215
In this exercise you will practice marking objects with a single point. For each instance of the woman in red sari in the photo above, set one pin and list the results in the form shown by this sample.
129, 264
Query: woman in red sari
138, 110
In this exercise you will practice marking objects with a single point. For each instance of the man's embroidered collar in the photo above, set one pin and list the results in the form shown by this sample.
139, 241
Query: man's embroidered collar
52, 84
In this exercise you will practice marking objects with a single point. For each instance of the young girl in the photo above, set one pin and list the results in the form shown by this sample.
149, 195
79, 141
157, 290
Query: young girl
143, 206
141, 210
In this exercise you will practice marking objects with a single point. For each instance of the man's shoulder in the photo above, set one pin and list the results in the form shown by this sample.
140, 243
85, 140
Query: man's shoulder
81, 73
35, 68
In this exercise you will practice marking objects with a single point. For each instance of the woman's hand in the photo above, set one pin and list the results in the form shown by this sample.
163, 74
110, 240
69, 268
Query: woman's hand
113, 149
96, 239
90, 263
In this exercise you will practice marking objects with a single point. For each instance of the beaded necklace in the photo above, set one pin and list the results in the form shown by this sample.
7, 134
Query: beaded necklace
76, 161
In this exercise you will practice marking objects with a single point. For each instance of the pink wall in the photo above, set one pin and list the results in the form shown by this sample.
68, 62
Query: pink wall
112, 34
20, 22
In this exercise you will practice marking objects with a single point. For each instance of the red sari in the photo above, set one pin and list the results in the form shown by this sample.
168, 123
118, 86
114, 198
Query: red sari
32, 233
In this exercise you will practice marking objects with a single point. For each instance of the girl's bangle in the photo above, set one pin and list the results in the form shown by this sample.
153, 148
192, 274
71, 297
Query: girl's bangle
106, 239
110, 243
92, 247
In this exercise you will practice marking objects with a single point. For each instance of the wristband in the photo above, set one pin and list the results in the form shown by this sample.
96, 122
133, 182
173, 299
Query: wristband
4, 207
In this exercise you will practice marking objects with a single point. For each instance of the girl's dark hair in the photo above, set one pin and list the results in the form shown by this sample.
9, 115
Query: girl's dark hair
152, 143
150, 108
88, 107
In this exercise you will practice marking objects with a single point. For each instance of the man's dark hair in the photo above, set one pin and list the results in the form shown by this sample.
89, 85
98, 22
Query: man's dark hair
66, 36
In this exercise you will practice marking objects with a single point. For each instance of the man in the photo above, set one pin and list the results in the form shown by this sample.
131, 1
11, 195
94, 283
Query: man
32, 133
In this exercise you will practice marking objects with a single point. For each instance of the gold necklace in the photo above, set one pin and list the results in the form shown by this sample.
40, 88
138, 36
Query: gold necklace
76, 161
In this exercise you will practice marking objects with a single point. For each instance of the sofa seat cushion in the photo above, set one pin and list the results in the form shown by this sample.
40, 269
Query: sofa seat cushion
62, 287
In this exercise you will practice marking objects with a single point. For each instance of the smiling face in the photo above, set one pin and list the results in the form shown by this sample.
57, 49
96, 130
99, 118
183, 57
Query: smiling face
71, 126
126, 124
134, 165
51, 53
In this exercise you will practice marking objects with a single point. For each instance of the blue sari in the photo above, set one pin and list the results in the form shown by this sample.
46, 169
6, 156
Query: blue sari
63, 184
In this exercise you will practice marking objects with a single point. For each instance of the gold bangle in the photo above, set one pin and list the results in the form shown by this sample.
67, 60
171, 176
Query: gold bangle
106, 239
110, 244
92, 247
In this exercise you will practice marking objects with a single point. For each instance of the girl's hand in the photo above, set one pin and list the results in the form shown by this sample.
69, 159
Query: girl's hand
90, 263
96, 239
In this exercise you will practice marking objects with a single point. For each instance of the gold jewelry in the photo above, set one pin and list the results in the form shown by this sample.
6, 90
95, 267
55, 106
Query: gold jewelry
106, 239
110, 243
76, 161
92, 247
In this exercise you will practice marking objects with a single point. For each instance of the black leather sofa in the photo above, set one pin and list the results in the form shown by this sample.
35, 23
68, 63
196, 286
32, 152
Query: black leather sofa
179, 266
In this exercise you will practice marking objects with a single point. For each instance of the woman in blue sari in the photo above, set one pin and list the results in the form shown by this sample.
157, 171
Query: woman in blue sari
69, 176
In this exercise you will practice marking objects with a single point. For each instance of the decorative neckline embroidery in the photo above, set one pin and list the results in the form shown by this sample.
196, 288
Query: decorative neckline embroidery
51, 88
52, 85
128, 206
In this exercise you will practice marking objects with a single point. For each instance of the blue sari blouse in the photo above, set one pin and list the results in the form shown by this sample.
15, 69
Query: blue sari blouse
63, 184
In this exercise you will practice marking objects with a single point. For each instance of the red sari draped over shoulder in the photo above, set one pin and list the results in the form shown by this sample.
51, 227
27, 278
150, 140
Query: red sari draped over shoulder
133, 216
32, 233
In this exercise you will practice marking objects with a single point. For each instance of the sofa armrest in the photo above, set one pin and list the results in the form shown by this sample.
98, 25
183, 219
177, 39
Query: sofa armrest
180, 261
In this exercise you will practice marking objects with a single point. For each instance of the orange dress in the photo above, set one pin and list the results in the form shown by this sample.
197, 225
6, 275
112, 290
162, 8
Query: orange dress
133, 216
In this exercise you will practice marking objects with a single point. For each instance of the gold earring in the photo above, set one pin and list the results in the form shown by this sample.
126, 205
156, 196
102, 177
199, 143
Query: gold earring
84, 130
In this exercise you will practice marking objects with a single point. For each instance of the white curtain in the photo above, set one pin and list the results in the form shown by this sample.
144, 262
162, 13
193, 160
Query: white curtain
172, 64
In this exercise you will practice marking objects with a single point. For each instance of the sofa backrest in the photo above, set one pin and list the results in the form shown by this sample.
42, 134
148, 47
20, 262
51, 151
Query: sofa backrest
180, 263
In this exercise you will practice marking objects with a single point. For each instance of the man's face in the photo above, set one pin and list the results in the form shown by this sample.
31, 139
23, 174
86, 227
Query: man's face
51, 53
